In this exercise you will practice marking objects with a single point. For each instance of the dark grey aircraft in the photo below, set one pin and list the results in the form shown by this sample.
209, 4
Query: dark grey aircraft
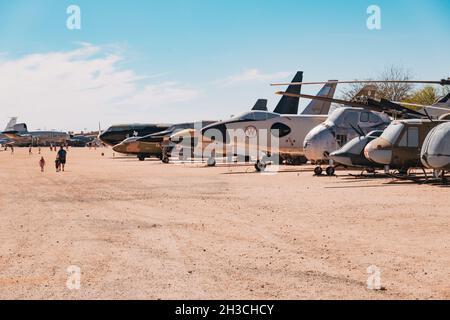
118, 133
352, 154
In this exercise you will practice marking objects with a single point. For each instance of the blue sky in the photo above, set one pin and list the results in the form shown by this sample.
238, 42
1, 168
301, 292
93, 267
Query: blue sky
185, 60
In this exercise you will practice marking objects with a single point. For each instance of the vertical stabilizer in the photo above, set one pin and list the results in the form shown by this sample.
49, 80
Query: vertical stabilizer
12, 122
322, 107
260, 105
289, 105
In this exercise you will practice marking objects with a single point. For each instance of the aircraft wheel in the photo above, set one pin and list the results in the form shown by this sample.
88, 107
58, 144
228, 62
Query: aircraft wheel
260, 166
330, 171
211, 162
318, 171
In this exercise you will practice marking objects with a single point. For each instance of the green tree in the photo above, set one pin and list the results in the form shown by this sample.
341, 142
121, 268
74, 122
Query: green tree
426, 96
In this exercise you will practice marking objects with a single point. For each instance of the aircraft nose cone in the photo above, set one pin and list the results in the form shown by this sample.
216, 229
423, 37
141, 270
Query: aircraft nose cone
318, 145
374, 153
435, 161
120, 148
339, 157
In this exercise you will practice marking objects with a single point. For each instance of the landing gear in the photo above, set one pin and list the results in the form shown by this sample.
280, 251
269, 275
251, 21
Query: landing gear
165, 159
318, 171
330, 171
211, 162
260, 165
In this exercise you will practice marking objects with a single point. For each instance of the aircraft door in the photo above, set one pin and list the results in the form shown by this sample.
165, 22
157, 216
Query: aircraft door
407, 152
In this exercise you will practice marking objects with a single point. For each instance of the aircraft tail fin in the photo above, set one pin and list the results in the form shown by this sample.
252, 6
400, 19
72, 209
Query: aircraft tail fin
260, 105
12, 122
322, 107
20, 127
289, 105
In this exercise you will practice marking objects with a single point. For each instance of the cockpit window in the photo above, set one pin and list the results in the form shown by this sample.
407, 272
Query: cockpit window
373, 118
351, 118
343, 117
335, 116
375, 134
392, 132
255, 116
365, 117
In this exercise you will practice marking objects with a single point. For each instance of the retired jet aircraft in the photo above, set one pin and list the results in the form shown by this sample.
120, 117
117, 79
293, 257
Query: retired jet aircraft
118, 133
150, 145
21, 137
283, 125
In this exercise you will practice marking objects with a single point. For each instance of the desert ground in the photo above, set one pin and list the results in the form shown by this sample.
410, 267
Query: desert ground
144, 230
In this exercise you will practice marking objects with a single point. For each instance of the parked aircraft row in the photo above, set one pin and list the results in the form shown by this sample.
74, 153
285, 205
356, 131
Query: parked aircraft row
17, 135
364, 132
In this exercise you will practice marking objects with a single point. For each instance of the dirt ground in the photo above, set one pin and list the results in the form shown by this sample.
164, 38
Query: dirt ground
144, 230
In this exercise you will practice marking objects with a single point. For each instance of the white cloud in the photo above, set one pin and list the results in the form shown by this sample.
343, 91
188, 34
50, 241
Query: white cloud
78, 88
252, 75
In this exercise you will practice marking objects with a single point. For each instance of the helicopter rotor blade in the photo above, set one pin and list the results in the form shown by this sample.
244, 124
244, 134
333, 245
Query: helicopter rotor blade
443, 82
371, 104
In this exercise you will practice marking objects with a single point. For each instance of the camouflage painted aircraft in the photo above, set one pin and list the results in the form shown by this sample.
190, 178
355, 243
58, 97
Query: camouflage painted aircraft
150, 145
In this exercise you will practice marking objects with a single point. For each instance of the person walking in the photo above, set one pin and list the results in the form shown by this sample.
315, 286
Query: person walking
62, 157
42, 164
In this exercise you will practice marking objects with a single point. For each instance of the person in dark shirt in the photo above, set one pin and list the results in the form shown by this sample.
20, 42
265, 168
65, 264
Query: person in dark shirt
62, 157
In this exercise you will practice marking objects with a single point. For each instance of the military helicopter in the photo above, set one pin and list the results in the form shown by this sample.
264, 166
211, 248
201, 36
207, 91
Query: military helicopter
400, 145
352, 154
329, 137
435, 153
